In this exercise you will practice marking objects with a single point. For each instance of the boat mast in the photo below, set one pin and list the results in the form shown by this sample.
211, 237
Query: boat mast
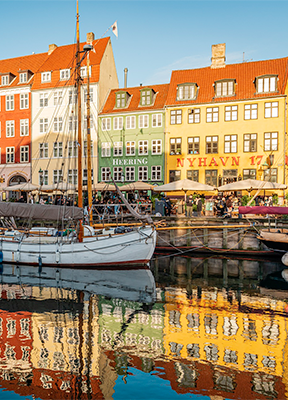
89, 168
78, 84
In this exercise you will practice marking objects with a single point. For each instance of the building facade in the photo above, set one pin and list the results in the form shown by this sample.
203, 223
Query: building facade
227, 122
131, 135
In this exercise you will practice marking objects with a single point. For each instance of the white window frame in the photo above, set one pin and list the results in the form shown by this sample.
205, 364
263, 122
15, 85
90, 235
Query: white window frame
143, 173
43, 177
43, 100
117, 174
194, 116
58, 149
143, 121
231, 113
117, 123
250, 111
24, 101
131, 148
10, 128
106, 124
105, 149
73, 176
156, 120
57, 176
131, 122
23, 77
225, 88
72, 124
212, 114
58, 124
4, 80
43, 125
24, 154
130, 174
10, 155
72, 148
9, 102
270, 141
43, 150
267, 84
118, 149
186, 91
230, 143
64, 74
105, 174
24, 127
271, 109
142, 147
46, 76
58, 97
156, 147
156, 173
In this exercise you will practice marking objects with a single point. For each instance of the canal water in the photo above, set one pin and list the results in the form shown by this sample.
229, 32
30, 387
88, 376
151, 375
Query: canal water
191, 327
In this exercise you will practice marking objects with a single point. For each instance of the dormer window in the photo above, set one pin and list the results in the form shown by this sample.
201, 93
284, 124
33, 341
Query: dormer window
266, 84
121, 99
23, 77
45, 77
187, 91
146, 97
64, 74
4, 80
83, 72
225, 88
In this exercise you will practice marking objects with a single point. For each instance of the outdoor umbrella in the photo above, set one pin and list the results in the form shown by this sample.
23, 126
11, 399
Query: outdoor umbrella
251, 184
185, 185
103, 186
61, 186
139, 185
21, 187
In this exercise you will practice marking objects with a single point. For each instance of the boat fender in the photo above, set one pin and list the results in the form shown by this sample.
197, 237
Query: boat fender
284, 259
57, 256
1, 256
17, 256
40, 261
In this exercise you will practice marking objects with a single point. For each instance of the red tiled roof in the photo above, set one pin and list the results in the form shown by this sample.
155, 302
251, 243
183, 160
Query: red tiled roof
14, 65
244, 75
134, 102
64, 57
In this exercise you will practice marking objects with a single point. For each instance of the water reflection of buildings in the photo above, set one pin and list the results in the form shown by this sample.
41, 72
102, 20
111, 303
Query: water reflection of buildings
64, 344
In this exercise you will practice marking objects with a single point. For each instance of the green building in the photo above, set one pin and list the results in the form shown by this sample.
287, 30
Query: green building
131, 135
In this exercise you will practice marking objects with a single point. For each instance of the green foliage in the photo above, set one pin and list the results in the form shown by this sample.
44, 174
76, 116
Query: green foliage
245, 200
275, 199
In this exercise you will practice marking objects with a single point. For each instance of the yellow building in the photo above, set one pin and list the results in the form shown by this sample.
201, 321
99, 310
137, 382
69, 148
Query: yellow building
227, 122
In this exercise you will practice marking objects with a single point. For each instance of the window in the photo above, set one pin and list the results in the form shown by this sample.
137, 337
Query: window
193, 145
194, 116
58, 150
230, 144
142, 147
72, 149
45, 77
105, 149
130, 173
118, 123
57, 175
193, 175
4, 80
231, 113
156, 120
10, 154
187, 91
23, 77
43, 177
9, 102
250, 142
121, 99
117, 174
106, 124
211, 177
43, 125
211, 144
143, 121
251, 111
224, 88
43, 150
24, 127
72, 126
143, 173
266, 84
58, 96
156, 146
43, 100
249, 174
85, 176
118, 149
72, 96
175, 146
83, 72
174, 175
176, 117
212, 114
130, 148
58, 124
64, 74
156, 173
24, 101
85, 148
91, 95
105, 174
146, 97
271, 109
91, 121
131, 122
24, 153
73, 176
10, 128
270, 141
270, 175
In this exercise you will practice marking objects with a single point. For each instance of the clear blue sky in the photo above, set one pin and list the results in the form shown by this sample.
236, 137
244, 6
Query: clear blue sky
155, 37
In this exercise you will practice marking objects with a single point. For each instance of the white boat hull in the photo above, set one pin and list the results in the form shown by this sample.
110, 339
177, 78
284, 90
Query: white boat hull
130, 248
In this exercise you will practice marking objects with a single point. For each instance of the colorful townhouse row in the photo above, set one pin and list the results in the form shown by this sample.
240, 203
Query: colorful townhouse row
215, 125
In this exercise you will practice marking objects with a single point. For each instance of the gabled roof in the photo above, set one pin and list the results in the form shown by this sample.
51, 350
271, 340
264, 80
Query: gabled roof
18, 64
134, 104
63, 57
244, 74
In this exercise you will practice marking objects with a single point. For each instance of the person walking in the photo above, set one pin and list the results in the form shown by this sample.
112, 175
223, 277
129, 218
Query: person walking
189, 205
199, 206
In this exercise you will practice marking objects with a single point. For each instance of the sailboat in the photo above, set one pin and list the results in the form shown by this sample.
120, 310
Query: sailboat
80, 245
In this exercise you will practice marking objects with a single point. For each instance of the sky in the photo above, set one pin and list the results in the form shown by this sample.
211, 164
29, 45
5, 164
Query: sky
154, 37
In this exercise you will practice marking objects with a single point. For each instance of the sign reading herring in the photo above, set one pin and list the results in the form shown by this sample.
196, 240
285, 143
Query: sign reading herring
130, 161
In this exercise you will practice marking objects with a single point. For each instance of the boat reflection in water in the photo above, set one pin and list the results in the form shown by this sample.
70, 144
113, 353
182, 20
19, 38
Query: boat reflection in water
209, 331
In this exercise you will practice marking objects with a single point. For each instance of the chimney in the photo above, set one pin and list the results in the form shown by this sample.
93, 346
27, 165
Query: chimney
90, 37
125, 77
52, 47
218, 55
